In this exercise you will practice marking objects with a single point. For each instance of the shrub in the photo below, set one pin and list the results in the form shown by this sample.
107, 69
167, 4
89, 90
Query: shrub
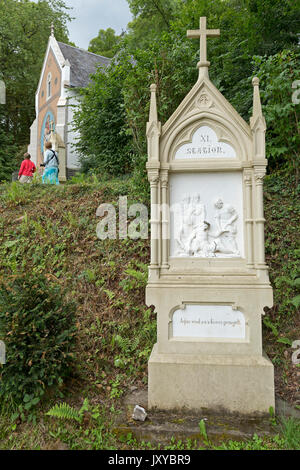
278, 75
8, 151
37, 326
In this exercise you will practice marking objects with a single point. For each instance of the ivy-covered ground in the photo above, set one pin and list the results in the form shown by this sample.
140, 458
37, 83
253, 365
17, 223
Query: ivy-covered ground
52, 231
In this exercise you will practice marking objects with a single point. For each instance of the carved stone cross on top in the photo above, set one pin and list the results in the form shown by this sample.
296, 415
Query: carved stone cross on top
203, 33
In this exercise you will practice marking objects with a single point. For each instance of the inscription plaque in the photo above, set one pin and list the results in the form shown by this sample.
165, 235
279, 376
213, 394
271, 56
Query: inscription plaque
204, 145
209, 321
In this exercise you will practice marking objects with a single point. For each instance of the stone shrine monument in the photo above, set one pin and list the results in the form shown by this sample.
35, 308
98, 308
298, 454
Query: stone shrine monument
208, 279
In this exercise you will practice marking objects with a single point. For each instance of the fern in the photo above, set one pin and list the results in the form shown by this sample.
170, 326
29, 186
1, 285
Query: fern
109, 293
135, 344
126, 344
65, 411
123, 343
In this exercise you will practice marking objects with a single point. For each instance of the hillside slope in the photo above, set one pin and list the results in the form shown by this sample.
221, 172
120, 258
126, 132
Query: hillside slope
52, 230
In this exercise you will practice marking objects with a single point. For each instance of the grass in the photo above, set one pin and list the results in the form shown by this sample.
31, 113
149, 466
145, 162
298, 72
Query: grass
282, 322
52, 230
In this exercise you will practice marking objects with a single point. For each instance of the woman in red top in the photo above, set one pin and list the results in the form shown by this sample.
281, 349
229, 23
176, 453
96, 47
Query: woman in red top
27, 169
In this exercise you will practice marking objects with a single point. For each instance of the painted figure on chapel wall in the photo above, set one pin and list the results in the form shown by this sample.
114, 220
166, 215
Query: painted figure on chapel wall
48, 125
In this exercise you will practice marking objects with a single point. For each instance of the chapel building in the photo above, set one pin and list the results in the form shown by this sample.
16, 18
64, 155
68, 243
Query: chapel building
66, 69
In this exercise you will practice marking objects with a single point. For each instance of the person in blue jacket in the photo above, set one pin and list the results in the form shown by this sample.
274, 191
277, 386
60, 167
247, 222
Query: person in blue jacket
51, 164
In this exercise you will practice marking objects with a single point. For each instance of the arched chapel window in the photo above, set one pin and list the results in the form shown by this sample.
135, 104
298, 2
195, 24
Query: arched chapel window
49, 78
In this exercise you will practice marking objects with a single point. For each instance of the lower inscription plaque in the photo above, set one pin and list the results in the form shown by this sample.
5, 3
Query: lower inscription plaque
208, 321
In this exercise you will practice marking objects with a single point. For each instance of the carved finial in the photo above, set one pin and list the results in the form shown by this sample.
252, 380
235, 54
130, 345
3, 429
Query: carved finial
257, 118
153, 106
203, 34
52, 30
257, 111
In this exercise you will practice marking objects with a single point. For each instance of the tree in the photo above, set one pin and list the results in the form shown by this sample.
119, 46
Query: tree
277, 75
8, 150
276, 23
162, 54
105, 43
150, 19
153, 8
101, 121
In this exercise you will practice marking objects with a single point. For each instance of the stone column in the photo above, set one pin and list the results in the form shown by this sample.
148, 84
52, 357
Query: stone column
155, 221
165, 221
33, 146
249, 217
259, 175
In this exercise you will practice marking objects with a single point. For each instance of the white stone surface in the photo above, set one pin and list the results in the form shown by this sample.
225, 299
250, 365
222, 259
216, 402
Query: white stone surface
139, 413
32, 147
73, 135
209, 321
205, 144
224, 236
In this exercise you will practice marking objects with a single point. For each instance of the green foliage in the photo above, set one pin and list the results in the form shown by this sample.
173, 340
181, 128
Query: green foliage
105, 43
256, 443
135, 279
8, 150
84, 179
277, 74
158, 64
275, 23
104, 142
203, 432
150, 19
156, 50
37, 325
281, 322
90, 427
290, 428
17, 251
52, 231
131, 350
64, 411
296, 301
16, 193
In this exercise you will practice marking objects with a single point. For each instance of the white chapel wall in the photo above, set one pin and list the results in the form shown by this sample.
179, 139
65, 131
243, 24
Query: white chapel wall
72, 134
32, 147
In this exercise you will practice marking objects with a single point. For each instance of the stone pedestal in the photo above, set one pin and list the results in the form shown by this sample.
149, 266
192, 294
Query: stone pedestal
209, 351
219, 384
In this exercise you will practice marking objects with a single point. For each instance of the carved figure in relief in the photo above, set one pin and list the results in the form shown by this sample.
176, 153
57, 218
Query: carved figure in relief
198, 216
200, 245
186, 226
226, 217
192, 218
194, 237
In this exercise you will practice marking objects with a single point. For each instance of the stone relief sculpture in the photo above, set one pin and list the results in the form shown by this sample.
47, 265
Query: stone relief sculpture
192, 215
226, 217
193, 235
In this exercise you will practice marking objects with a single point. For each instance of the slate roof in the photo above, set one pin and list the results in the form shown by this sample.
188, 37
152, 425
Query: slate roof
83, 64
